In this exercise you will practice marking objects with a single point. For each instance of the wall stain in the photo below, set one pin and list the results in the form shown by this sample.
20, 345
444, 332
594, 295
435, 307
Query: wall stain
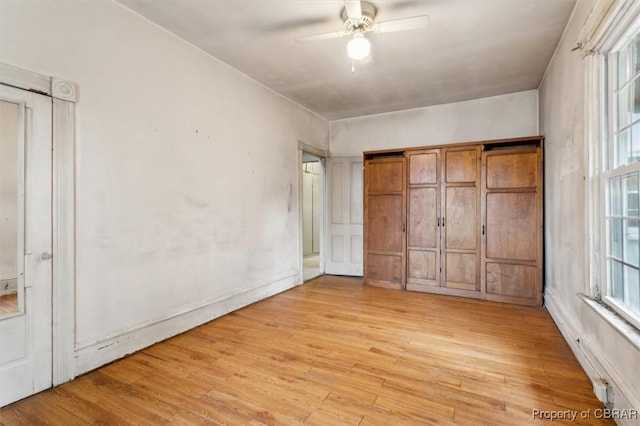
196, 203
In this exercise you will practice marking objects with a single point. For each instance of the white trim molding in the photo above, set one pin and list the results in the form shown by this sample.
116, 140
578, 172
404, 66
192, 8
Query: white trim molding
318, 152
63, 89
22, 79
592, 354
322, 155
91, 355
64, 95
594, 211
63, 240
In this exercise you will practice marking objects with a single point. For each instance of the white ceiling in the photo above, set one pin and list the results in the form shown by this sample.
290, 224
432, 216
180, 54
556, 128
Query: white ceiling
470, 49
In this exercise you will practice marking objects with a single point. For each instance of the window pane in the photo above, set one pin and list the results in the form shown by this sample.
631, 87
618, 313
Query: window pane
630, 190
630, 241
623, 148
615, 228
624, 115
635, 100
635, 142
616, 199
635, 48
617, 282
623, 66
633, 294
631, 283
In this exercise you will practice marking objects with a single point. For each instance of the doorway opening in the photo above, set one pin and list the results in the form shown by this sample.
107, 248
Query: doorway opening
311, 216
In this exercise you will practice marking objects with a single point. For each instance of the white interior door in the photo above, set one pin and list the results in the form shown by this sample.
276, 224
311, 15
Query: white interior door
344, 230
26, 329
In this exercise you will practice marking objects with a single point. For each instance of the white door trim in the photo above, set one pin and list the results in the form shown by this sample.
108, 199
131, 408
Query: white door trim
63, 210
322, 155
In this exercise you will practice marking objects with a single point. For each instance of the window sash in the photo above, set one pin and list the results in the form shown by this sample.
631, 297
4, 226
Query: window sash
610, 259
614, 25
621, 262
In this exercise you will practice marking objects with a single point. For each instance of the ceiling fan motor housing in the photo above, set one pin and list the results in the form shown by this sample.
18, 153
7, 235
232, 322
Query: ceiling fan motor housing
363, 22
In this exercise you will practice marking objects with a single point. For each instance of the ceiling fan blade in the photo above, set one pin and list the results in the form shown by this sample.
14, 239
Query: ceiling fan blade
401, 24
353, 8
323, 36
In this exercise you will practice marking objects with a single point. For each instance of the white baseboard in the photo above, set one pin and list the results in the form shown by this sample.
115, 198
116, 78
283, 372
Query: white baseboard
94, 355
592, 358
11, 282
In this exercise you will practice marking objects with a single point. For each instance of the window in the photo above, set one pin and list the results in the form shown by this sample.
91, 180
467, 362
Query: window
621, 177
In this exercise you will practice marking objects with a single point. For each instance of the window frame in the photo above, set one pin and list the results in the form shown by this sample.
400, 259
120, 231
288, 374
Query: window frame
619, 27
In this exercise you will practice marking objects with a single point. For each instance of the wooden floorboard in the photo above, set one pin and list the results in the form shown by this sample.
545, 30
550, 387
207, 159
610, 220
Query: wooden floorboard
335, 352
8, 303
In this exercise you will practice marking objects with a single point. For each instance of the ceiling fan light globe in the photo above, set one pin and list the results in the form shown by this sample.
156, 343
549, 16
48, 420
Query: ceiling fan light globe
358, 47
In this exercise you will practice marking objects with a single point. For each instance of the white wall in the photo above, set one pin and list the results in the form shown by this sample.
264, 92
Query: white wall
603, 351
187, 173
498, 117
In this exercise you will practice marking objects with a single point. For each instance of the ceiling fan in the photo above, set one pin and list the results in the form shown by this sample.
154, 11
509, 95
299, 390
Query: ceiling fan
359, 18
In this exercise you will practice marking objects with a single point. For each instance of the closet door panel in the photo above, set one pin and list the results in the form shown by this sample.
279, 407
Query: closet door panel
385, 177
511, 280
511, 266
423, 168
461, 270
384, 268
511, 226
461, 226
423, 267
461, 166
384, 226
460, 221
512, 171
423, 216
385, 222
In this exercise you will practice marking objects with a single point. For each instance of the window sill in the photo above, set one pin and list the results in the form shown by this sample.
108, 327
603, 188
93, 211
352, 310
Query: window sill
622, 326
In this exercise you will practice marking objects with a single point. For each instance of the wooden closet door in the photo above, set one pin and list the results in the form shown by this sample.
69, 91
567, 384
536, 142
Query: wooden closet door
385, 241
461, 220
423, 220
512, 244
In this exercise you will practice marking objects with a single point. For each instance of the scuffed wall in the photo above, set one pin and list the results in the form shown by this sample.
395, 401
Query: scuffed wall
562, 100
497, 117
604, 352
186, 170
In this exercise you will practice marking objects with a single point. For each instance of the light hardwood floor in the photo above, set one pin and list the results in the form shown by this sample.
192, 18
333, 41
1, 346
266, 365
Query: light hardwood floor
330, 352
8, 304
